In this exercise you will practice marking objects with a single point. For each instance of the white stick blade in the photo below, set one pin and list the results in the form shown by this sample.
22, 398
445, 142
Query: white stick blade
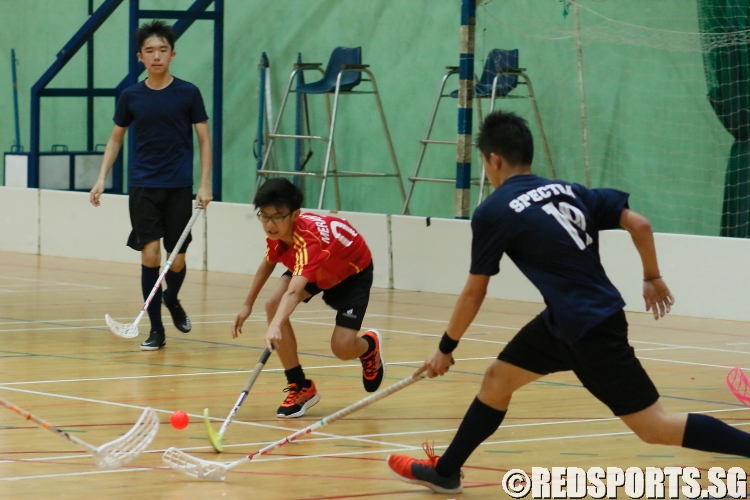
124, 449
128, 331
195, 467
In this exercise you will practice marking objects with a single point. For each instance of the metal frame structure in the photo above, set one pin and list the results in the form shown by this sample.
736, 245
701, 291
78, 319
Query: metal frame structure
16, 147
329, 167
85, 35
465, 100
452, 70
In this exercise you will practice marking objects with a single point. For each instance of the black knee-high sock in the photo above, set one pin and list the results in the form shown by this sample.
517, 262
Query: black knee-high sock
479, 423
706, 433
296, 376
149, 275
174, 283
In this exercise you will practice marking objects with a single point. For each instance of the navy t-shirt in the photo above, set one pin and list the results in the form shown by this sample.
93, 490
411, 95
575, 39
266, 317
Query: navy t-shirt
550, 230
162, 121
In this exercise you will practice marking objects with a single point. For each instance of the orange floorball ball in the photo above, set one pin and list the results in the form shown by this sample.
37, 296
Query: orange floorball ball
179, 419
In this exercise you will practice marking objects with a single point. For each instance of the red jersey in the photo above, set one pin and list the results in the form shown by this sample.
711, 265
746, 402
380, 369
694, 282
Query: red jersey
326, 250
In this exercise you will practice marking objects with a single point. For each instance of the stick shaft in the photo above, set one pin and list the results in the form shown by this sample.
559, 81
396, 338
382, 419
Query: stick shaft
177, 248
140, 314
46, 425
335, 416
232, 413
249, 385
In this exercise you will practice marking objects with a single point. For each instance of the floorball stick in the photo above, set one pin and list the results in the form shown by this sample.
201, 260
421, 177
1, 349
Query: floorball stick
130, 330
114, 453
738, 384
217, 471
217, 438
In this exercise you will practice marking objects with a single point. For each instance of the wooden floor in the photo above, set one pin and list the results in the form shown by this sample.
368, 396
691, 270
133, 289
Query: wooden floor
58, 360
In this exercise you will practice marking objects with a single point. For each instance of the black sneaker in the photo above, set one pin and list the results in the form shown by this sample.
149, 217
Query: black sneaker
373, 365
154, 342
411, 470
179, 316
298, 400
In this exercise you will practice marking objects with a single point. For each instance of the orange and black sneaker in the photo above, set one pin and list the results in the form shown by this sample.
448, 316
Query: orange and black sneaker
298, 400
411, 470
373, 365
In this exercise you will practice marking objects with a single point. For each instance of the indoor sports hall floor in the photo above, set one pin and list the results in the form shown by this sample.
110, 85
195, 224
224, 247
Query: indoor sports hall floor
58, 360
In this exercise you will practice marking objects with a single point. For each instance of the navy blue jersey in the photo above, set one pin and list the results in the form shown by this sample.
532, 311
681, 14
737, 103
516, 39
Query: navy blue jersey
550, 230
163, 126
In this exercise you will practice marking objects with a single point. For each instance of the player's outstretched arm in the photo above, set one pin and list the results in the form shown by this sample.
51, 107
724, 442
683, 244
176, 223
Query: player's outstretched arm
656, 294
261, 276
289, 301
110, 155
466, 309
205, 195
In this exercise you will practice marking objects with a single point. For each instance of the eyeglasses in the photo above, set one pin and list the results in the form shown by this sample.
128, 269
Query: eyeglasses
275, 218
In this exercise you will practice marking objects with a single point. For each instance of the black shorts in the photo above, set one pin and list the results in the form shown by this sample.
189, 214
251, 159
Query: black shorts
602, 360
350, 297
157, 213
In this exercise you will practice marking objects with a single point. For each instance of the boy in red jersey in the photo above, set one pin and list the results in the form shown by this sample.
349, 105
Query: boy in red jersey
322, 254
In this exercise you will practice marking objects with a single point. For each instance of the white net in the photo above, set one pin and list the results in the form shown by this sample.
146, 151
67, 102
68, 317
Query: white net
127, 331
194, 466
124, 449
623, 91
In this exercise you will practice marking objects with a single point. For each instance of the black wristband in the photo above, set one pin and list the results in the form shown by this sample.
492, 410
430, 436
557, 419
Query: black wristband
447, 344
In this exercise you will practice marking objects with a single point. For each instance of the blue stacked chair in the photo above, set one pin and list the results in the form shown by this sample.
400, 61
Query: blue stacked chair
500, 76
342, 76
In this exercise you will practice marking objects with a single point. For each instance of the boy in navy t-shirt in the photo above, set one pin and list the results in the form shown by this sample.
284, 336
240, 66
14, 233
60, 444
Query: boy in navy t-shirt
163, 111
550, 229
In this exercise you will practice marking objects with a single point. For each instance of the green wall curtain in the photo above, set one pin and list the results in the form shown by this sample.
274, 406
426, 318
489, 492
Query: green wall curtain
728, 77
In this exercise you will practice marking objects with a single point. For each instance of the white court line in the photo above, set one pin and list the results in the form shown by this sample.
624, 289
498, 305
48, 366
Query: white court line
418, 334
357, 453
345, 454
688, 363
63, 283
43, 321
195, 415
200, 417
61, 289
88, 473
503, 343
307, 321
21, 286
437, 447
689, 347
230, 372
430, 431
440, 321
103, 326
641, 349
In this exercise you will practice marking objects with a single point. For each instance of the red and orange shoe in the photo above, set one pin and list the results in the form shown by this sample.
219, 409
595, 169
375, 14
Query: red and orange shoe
373, 365
411, 470
298, 400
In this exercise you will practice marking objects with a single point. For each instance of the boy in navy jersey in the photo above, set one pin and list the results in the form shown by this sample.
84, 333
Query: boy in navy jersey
163, 111
550, 229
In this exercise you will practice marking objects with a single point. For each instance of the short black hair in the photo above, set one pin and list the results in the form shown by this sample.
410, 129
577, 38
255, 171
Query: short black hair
279, 192
155, 28
506, 134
